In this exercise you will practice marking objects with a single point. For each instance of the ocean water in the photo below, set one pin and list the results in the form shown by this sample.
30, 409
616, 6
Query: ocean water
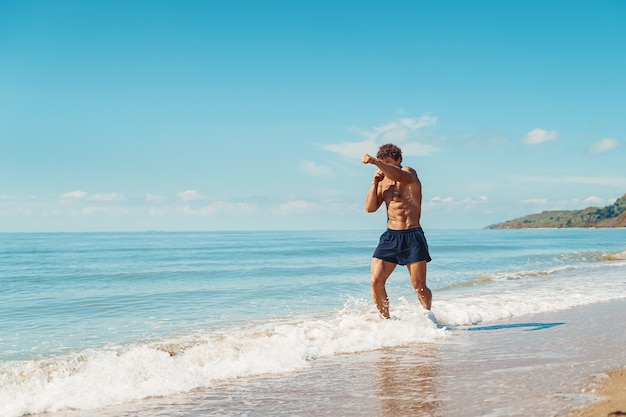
111, 324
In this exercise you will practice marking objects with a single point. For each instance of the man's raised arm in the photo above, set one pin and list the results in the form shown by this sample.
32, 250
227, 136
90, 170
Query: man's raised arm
393, 172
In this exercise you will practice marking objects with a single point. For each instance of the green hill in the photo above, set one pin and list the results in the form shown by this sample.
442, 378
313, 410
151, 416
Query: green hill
609, 216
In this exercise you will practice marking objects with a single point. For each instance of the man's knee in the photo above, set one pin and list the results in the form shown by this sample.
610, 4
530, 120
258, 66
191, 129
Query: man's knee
377, 281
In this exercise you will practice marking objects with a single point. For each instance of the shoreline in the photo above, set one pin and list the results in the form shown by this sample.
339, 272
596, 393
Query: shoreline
611, 392
553, 368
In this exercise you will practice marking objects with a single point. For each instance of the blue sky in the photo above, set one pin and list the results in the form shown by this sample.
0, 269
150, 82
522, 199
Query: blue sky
238, 115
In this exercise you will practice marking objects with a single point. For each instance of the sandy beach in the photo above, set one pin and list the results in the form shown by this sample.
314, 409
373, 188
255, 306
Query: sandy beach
557, 368
612, 397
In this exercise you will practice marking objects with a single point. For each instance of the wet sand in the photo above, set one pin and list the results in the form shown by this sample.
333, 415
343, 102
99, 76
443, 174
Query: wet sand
612, 397
547, 370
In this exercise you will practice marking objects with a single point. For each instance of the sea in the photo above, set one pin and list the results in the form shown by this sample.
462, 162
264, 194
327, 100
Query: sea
277, 322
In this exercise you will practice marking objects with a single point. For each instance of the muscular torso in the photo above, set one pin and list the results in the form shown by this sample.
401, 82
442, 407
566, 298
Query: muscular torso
403, 201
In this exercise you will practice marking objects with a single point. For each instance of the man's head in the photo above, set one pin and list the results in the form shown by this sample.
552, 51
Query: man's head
389, 151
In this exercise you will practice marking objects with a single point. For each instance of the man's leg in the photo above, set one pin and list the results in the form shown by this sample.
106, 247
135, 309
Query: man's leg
380, 272
417, 270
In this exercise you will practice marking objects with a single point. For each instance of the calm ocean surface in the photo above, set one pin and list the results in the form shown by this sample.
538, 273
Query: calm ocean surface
92, 320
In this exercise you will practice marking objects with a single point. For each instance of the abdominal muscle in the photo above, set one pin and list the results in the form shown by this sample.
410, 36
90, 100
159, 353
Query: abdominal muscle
403, 206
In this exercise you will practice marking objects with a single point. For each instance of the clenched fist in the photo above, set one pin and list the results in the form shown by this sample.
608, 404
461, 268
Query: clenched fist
367, 159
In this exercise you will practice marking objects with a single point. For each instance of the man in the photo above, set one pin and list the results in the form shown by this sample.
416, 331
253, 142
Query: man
404, 242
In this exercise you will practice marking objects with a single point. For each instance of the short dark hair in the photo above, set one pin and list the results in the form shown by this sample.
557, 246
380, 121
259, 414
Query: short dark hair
389, 150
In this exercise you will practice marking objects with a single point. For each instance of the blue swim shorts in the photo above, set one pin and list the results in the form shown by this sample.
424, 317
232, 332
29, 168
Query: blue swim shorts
402, 247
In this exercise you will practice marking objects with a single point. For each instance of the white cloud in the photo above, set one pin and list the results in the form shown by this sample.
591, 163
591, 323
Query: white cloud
404, 132
189, 195
603, 145
538, 136
74, 194
107, 197
594, 201
444, 200
220, 207
540, 204
352, 149
619, 182
152, 198
451, 202
418, 149
316, 170
79, 195
296, 206
111, 211
536, 201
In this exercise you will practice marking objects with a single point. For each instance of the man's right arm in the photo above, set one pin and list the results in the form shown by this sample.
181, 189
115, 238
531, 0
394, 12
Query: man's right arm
373, 200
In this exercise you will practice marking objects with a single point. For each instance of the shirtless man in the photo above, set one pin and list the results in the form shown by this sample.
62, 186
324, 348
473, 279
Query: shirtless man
404, 242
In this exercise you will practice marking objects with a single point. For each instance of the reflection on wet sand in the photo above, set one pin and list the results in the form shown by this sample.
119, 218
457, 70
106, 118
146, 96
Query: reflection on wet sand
405, 381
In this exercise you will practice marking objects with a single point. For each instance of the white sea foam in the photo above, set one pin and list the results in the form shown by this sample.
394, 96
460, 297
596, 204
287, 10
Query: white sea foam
98, 377
536, 293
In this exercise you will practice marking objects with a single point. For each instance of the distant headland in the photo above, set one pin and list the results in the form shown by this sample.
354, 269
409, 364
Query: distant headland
609, 216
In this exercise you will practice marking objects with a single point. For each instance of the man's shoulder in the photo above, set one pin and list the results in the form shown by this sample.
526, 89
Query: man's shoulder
409, 169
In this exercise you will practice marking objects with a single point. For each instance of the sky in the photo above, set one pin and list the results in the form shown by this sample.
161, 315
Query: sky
253, 115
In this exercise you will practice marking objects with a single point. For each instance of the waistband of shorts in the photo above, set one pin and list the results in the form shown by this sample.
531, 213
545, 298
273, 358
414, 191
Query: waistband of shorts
403, 231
